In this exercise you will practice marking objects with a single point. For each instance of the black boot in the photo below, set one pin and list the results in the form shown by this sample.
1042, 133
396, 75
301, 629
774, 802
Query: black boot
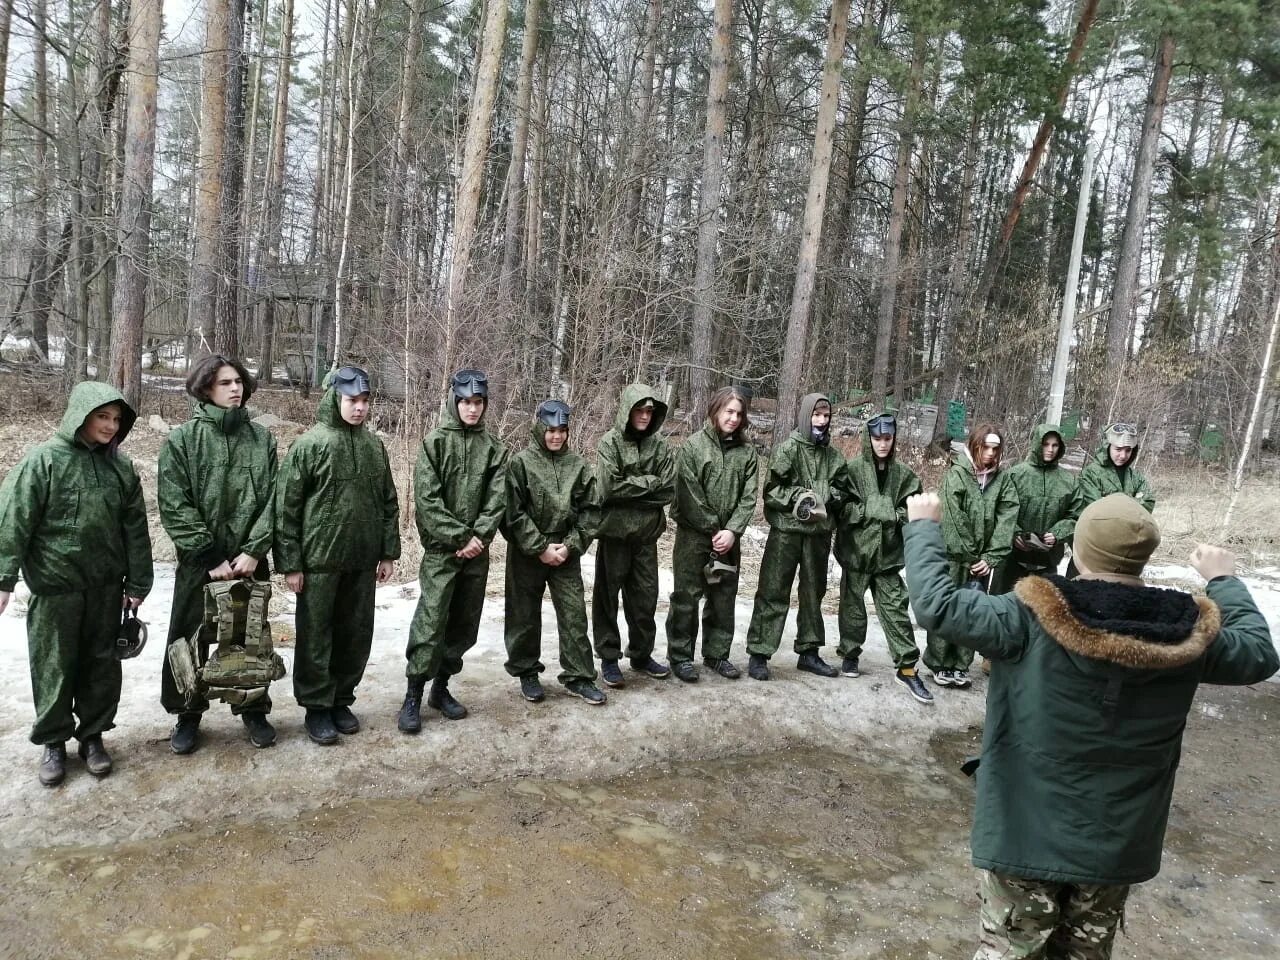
810, 662
261, 733
320, 727
758, 667
53, 764
441, 699
182, 739
95, 755
410, 711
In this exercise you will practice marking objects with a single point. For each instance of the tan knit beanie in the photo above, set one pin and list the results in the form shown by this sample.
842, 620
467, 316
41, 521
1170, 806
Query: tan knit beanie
1115, 535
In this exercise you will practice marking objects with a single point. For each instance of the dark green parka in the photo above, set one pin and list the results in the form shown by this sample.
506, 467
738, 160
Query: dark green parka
869, 536
551, 498
1090, 687
637, 472
336, 506
978, 524
1100, 478
1045, 492
216, 486
72, 516
460, 483
715, 483
798, 465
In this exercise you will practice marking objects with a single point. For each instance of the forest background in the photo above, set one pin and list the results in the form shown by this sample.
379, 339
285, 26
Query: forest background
875, 198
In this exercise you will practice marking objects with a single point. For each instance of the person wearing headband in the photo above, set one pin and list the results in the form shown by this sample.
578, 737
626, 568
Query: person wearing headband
715, 500
869, 548
804, 491
979, 517
1112, 470
552, 515
459, 495
216, 488
337, 537
636, 470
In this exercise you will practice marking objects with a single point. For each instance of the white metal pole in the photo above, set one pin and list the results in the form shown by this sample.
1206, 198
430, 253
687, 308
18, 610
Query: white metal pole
1066, 324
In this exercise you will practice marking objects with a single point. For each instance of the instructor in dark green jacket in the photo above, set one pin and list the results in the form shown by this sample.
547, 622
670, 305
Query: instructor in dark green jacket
73, 525
337, 537
217, 487
1091, 683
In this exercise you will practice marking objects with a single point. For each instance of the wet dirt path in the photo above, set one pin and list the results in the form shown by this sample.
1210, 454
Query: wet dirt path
807, 853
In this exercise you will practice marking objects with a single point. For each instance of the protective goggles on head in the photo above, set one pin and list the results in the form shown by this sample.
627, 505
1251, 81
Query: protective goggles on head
470, 383
1123, 434
885, 425
350, 381
553, 413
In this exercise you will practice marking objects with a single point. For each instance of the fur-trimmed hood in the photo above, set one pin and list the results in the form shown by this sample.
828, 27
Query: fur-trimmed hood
1145, 628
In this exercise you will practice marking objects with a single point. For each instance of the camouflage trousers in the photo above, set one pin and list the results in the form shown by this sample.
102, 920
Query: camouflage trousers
1033, 919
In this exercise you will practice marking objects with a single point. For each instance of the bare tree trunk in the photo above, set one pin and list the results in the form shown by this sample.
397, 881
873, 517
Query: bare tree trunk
227, 319
354, 76
397, 188
704, 277
274, 192
472, 178
897, 213
811, 233
42, 270
6, 18
519, 146
1124, 294
642, 120
129, 304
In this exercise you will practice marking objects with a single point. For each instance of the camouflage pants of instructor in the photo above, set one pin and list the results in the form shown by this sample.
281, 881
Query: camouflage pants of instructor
1031, 919
527, 579
692, 551
334, 624
629, 568
71, 640
447, 618
186, 614
890, 595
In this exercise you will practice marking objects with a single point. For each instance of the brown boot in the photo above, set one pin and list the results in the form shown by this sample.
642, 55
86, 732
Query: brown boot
95, 755
53, 764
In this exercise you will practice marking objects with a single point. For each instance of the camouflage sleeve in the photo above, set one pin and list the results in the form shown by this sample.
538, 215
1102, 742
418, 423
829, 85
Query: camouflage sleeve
390, 511
617, 486
495, 499
519, 529
137, 538
695, 509
746, 506
263, 530
912, 487
179, 513
1142, 493
586, 504
1001, 543
664, 476
23, 496
435, 521
780, 489
955, 517
292, 483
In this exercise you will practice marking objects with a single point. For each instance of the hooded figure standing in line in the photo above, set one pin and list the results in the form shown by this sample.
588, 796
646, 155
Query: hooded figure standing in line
979, 516
1111, 471
716, 473
804, 493
1045, 492
73, 525
1091, 683
460, 495
637, 474
869, 548
552, 516
216, 491
337, 537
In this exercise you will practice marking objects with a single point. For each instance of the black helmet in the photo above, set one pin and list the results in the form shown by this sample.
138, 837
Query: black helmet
132, 637
470, 382
553, 413
350, 381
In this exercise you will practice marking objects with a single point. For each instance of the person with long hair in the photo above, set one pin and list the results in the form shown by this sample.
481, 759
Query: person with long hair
716, 474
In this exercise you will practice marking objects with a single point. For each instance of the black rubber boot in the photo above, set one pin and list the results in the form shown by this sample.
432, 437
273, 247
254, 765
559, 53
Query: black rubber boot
53, 764
320, 727
346, 721
182, 739
758, 667
441, 699
410, 720
95, 755
261, 733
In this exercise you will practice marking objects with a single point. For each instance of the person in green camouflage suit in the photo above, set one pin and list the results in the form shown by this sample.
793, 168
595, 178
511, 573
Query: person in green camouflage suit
460, 495
804, 492
980, 510
216, 492
337, 537
1111, 470
1045, 492
869, 548
73, 525
551, 517
637, 474
716, 471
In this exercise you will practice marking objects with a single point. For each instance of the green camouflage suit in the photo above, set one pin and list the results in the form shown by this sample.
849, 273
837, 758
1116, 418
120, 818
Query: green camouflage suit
460, 492
869, 548
73, 524
797, 465
715, 490
551, 498
1101, 477
1030, 919
216, 491
977, 524
1045, 492
337, 517
637, 475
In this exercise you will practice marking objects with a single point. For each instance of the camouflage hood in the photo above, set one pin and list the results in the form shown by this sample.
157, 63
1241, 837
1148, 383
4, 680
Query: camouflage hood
1035, 453
86, 397
804, 418
631, 395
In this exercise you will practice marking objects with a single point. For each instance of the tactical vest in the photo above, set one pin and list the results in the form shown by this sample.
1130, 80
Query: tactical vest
241, 662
